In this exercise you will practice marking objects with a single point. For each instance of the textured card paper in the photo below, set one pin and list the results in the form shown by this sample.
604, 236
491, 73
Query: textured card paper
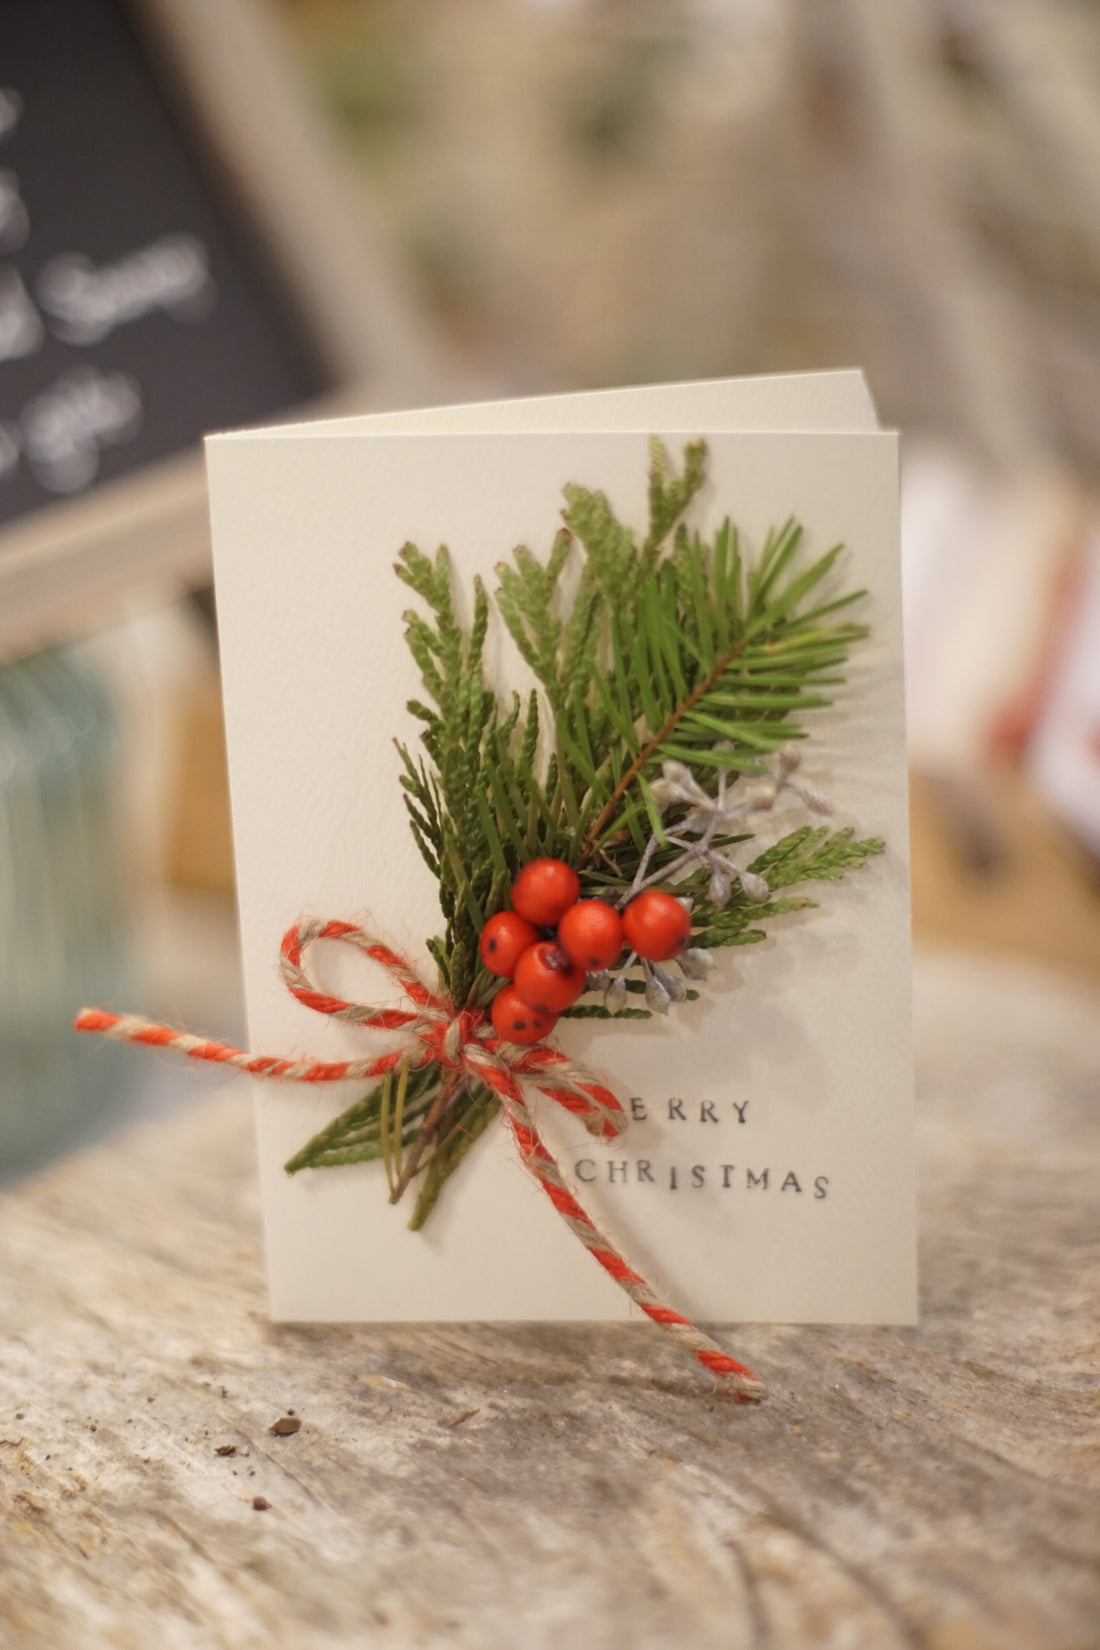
768, 1170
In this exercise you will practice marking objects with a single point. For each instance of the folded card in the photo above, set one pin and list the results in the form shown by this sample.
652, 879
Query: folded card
690, 589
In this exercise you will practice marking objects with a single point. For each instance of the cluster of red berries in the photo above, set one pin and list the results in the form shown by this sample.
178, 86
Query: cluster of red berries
551, 939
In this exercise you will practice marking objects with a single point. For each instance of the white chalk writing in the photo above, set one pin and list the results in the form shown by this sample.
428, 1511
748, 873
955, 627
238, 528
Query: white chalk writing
87, 303
64, 427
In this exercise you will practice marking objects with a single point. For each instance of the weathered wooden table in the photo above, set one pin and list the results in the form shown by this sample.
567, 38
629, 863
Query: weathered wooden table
538, 1486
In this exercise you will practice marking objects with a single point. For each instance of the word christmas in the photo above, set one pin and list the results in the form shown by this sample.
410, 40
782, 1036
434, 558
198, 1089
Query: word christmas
641, 1171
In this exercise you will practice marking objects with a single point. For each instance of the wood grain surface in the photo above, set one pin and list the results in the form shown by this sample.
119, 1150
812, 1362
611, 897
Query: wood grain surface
557, 1486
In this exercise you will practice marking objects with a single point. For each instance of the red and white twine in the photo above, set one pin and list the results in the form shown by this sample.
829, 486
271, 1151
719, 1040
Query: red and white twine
466, 1043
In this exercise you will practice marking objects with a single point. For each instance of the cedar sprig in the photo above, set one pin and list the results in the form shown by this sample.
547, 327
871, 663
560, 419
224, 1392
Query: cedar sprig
463, 730
808, 854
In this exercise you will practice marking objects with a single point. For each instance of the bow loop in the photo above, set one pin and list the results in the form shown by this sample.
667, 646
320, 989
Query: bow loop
461, 1041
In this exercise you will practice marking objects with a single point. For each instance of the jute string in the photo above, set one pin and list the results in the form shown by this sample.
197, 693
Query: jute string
463, 1042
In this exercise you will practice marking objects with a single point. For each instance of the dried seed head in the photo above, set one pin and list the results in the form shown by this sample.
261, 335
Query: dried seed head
656, 997
754, 886
675, 987
615, 996
816, 801
664, 794
719, 890
681, 779
696, 822
695, 962
761, 795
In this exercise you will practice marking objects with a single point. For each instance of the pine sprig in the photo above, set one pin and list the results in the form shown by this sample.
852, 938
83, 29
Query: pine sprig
698, 659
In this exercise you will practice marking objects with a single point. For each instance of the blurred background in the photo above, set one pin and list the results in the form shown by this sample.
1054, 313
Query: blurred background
217, 213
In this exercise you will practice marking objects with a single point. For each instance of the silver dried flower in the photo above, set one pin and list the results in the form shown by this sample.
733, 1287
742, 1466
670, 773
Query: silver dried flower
695, 962
761, 795
675, 987
615, 996
656, 997
816, 801
719, 890
679, 775
754, 886
664, 794
789, 758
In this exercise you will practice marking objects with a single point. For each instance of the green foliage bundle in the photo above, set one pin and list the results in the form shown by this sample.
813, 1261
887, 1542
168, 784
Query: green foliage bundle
671, 649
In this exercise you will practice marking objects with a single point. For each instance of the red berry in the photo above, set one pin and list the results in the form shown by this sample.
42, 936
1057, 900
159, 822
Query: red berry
656, 926
504, 939
515, 1021
544, 891
591, 931
547, 980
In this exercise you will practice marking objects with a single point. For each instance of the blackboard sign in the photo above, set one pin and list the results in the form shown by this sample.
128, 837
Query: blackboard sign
134, 315
173, 259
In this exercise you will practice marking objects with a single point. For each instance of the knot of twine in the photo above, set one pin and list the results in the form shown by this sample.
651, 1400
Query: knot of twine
465, 1042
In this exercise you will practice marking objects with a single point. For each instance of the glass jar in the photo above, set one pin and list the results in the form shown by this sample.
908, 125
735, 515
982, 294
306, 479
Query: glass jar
63, 923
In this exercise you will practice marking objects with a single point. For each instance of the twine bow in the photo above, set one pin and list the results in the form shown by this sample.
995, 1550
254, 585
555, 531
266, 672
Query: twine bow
462, 1042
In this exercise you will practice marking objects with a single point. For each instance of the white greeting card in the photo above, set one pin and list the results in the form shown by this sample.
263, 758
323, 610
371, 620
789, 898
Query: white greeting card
767, 1172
